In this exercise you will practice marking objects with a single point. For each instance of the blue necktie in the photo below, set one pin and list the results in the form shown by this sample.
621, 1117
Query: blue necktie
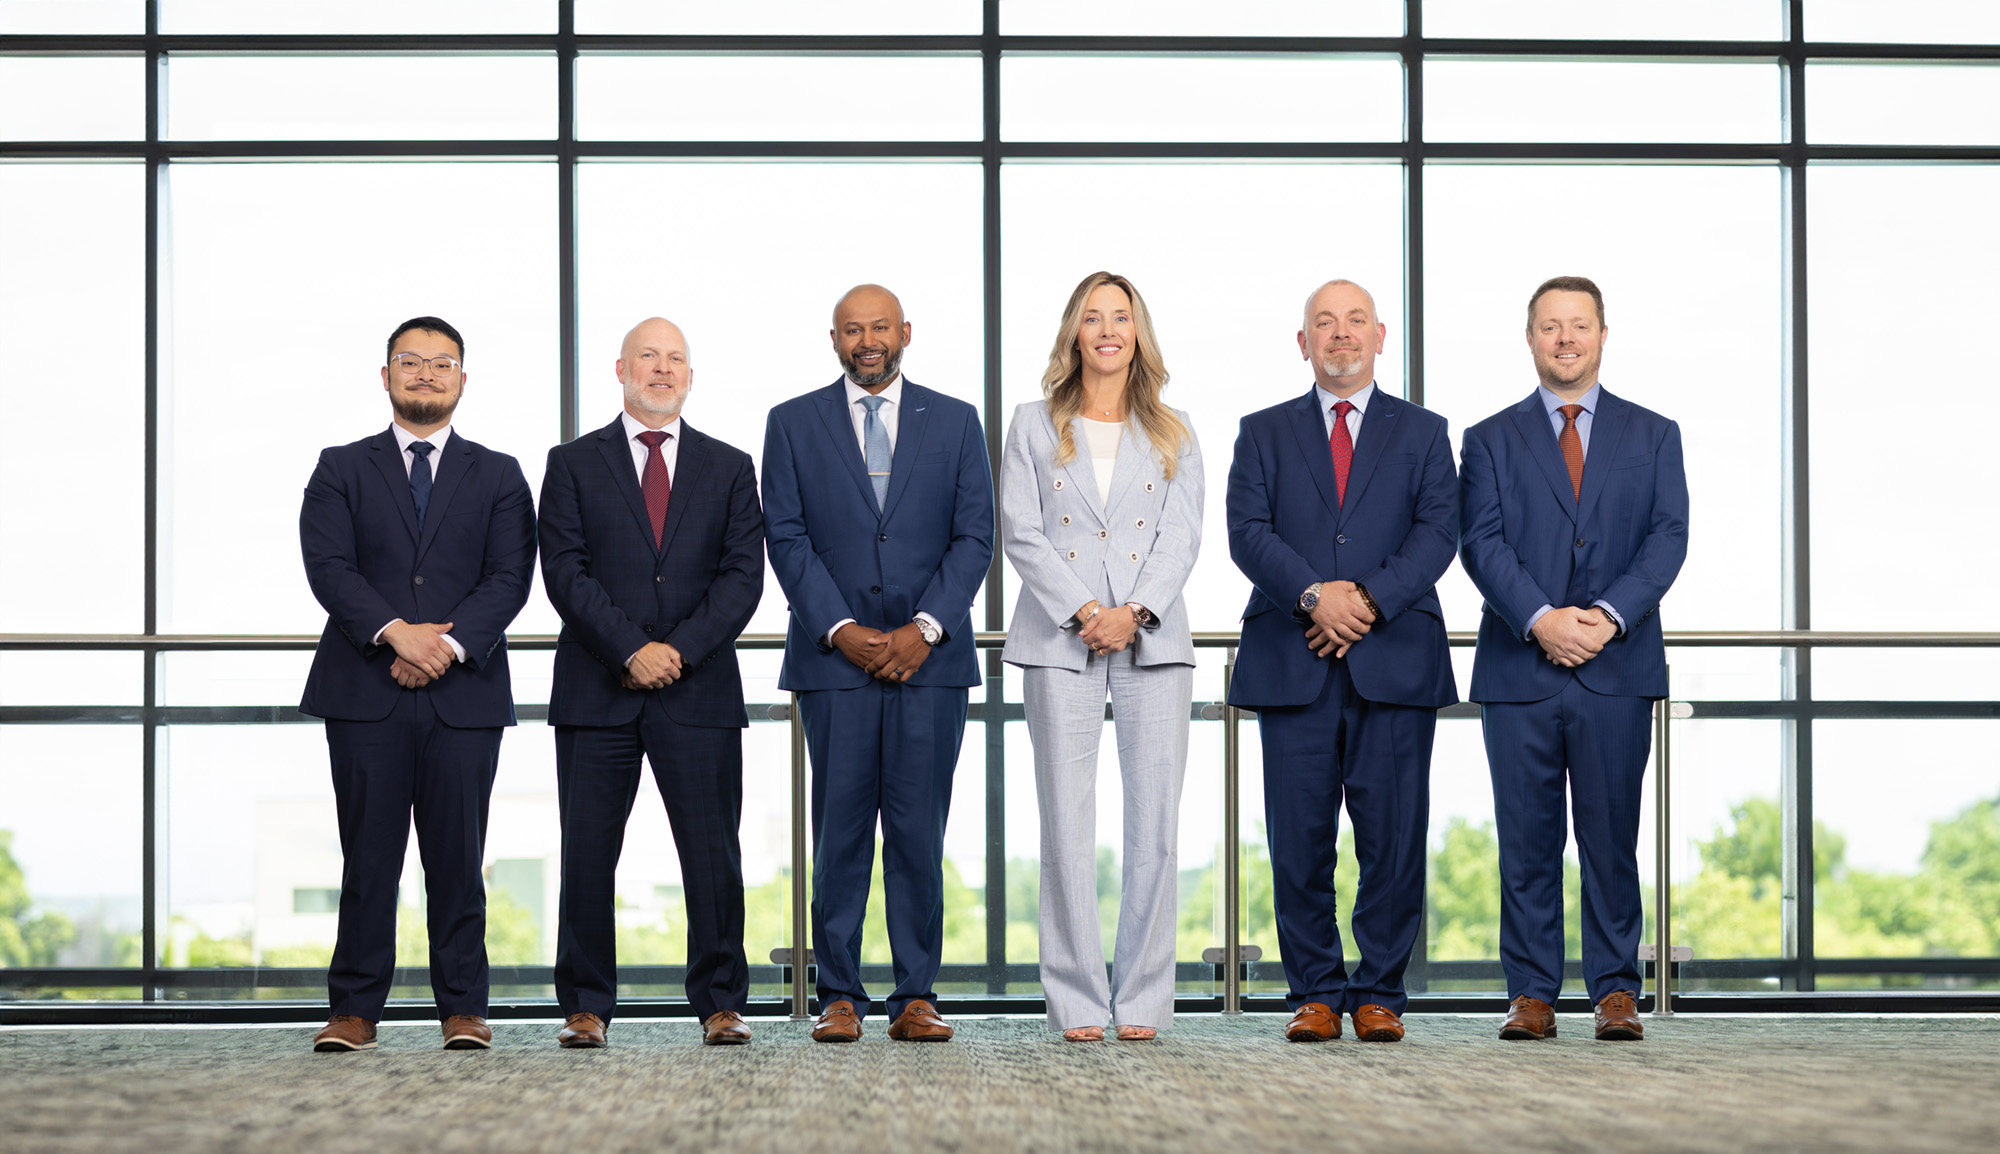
420, 479
875, 448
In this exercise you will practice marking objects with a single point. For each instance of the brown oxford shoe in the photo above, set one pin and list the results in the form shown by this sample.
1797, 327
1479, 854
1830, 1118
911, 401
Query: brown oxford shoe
1528, 1020
581, 1032
344, 1032
725, 1028
1313, 1022
1618, 1018
838, 1023
919, 1022
1377, 1023
467, 1032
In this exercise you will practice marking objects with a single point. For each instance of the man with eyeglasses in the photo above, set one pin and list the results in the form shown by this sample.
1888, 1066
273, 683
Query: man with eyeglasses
420, 544
653, 553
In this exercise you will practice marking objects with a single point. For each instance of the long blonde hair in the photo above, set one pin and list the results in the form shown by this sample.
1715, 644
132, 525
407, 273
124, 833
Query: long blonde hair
1062, 384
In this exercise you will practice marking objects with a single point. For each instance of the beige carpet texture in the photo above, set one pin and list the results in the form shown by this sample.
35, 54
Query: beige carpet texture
1219, 1085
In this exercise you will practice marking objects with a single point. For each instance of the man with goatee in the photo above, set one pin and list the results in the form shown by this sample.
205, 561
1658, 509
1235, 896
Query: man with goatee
420, 544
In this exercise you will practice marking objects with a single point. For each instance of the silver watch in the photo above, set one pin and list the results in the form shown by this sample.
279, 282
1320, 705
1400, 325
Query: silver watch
1309, 600
932, 634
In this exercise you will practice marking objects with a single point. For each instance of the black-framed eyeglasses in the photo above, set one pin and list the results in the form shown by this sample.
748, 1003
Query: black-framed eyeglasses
411, 363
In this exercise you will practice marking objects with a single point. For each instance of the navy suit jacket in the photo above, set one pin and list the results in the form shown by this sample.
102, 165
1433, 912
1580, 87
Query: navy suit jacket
1529, 541
368, 565
838, 555
616, 592
1394, 534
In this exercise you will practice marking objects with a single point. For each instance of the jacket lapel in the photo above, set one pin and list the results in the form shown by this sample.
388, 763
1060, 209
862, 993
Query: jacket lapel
1311, 429
1129, 465
1377, 428
687, 473
1607, 428
456, 463
1531, 421
618, 458
389, 460
840, 426
1081, 470
910, 426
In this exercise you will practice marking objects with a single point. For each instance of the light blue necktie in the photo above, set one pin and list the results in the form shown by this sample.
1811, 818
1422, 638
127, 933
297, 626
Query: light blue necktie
420, 479
875, 448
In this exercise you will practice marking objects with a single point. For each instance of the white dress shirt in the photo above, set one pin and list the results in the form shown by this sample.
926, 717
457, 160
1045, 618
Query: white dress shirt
1360, 402
404, 439
670, 449
888, 414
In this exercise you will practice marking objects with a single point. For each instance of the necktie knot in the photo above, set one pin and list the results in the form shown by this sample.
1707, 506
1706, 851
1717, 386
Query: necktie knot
652, 438
1569, 412
421, 448
873, 404
1342, 408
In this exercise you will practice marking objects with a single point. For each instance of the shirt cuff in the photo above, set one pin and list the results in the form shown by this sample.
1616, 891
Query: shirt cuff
460, 649
828, 639
937, 625
377, 639
1528, 634
1616, 618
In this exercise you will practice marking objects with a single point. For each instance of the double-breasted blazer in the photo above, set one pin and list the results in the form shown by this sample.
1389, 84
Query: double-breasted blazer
1071, 548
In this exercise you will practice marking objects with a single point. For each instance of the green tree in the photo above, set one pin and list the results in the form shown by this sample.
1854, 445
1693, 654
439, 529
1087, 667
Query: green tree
26, 938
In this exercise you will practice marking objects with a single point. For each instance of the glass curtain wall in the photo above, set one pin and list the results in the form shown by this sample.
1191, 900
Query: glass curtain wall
211, 211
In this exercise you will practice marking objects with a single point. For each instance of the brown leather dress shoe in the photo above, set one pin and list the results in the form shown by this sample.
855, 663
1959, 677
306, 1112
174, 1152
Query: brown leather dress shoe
581, 1032
1314, 1022
919, 1022
725, 1028
1377, 1023
1618, 1018
344, 1032
1528, 1020
838, 1023
467, 1032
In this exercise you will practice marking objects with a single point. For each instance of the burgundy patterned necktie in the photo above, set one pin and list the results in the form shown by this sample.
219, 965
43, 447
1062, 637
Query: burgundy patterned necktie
1343, 447
1572, 447
655, 483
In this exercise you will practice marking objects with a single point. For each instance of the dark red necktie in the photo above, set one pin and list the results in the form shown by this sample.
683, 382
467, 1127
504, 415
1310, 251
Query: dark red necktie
655, 483
1343, 447
1572, 447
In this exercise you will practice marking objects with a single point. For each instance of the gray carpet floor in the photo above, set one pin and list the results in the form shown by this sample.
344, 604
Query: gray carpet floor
1222, 1086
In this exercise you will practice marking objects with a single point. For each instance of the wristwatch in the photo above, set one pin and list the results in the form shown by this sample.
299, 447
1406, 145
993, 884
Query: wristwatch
1142, 615
1309, 600
932, 634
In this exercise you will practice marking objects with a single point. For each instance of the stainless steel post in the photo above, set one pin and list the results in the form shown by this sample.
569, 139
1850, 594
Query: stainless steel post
1232, 853
1663, 886
801, 868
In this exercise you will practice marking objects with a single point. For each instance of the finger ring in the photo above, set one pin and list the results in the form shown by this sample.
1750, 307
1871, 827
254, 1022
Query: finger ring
899, 673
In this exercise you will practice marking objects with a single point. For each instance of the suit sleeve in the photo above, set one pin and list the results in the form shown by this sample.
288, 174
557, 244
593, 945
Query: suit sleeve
1496, 570
1426, 552
582, 602
814, 596
1054, 583
1273, 566
1179, 543
1637, 591
480, 620
969, 555
738, 585
333, 570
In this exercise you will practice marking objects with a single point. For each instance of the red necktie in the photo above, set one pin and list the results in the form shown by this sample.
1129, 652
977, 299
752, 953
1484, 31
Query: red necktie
655, 483
1572, 447
1343, 447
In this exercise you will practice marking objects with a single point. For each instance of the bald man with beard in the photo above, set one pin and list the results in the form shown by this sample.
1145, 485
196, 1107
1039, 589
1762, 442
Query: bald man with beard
652, 552
879, 501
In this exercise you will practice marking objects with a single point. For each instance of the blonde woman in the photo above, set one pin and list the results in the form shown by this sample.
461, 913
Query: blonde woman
1100, 507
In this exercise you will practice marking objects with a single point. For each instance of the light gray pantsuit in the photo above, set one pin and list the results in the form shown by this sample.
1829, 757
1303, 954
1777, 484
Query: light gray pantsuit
1069, 547
1066, 722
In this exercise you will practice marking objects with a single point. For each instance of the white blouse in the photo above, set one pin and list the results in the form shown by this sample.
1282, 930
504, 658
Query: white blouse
1103, 437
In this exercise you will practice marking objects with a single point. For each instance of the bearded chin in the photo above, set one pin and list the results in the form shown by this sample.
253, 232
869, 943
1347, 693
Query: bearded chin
1340, 364
416, 412
891, 364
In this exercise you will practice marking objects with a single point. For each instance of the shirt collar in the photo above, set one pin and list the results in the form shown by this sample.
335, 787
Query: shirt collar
1551, 402
1358, 400
633, 427
405, 438
893, 394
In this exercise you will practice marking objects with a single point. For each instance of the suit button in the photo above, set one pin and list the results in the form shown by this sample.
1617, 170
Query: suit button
1135, 556
1341, 540
1101, 535
420, 580
1065, 519
1058, 484
1579, 542
1149, 486
1139, 524
647, 628
659, 580
1072, 554
874, 588
882, 537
